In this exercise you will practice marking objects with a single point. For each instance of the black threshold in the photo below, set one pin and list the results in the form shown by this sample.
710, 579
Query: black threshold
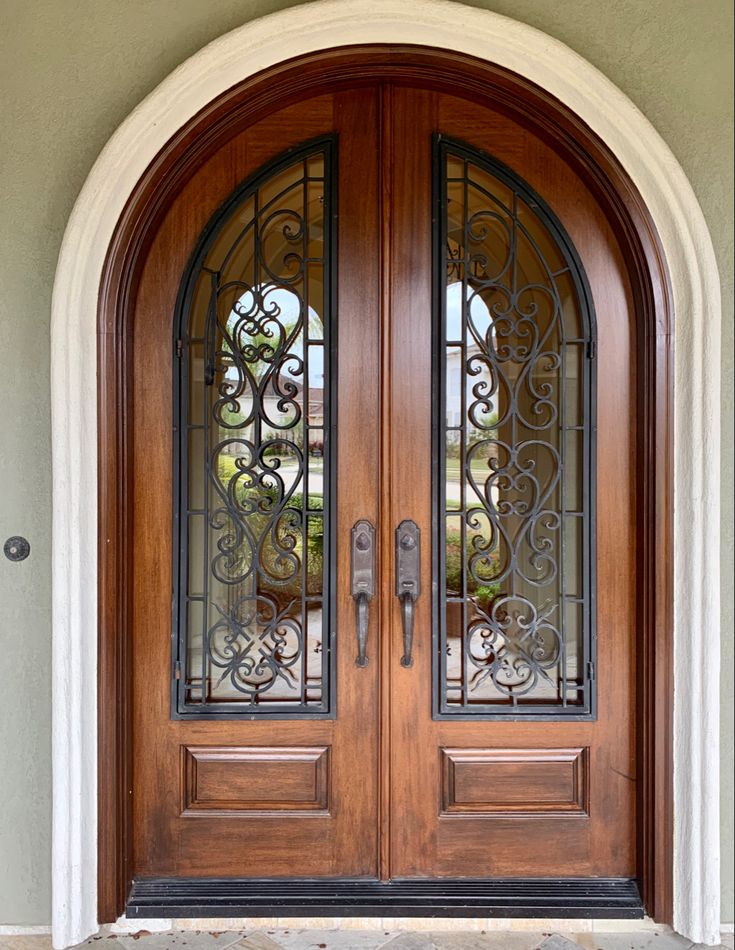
237, 897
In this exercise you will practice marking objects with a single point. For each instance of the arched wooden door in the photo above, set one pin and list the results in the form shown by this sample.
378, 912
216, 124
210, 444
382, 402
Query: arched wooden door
387, 309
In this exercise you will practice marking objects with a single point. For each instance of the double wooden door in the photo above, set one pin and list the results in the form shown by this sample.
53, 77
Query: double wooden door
384, 308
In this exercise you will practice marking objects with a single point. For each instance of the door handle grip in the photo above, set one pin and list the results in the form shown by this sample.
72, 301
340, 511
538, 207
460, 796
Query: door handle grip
362, 582
361, 604
408, 581
407, 603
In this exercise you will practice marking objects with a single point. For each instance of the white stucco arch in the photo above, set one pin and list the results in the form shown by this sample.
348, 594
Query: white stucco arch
696, 295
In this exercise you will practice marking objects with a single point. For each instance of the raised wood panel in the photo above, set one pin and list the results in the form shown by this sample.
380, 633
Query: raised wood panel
540, 783
248, 780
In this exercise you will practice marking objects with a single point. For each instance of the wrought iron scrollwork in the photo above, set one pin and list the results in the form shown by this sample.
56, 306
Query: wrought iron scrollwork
514, 476
253, 601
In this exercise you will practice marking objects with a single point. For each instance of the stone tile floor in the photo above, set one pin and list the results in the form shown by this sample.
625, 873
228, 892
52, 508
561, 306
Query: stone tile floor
345, 939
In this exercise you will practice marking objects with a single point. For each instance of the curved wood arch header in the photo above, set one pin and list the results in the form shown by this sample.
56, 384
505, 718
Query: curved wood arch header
584, 151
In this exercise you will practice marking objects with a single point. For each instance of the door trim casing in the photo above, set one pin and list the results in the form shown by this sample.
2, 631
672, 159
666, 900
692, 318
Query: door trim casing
656, 217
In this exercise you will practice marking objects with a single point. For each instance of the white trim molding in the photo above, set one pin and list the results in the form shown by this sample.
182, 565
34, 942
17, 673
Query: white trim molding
24, 930
696, 294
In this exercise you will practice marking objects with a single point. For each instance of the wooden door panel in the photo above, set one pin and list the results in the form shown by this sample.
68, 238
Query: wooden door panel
512, 783
224, 779
593, 830
242, 797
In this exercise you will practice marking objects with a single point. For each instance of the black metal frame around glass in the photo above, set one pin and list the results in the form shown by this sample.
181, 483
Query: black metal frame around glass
181, 707
511, 709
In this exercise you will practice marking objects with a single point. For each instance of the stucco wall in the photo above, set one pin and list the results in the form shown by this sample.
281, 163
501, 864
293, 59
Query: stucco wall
71, 71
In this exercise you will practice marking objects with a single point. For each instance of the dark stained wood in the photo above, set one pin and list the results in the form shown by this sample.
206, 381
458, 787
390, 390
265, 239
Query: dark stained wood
414, 753
385, 538
342, 840
358, 488
640, 253
655, 401
115, 747
538, 783
222, 779
605, 842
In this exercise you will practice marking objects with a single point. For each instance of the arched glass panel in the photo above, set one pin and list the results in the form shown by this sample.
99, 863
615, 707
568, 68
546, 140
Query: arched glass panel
255, 450
514, 453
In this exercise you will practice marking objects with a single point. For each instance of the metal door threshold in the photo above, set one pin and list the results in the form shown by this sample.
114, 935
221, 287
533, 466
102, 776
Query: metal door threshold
238, 897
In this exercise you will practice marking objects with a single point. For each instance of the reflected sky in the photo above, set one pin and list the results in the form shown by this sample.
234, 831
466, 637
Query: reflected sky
289, 305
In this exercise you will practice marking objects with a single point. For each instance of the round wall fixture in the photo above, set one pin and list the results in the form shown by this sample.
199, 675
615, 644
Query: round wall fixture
16, 548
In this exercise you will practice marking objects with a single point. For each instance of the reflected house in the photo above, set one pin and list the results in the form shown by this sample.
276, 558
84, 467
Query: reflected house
274, 616
274, 410
497, 498
455, 376
457, 360
276, 407
460, 604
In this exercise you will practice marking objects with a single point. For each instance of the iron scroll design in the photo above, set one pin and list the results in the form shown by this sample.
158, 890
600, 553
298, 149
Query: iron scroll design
513, 472
254, 435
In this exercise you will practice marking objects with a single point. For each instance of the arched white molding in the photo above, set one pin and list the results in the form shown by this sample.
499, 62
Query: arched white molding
696, 294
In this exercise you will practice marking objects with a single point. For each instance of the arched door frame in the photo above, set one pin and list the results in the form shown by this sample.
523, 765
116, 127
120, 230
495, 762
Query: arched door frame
671, 260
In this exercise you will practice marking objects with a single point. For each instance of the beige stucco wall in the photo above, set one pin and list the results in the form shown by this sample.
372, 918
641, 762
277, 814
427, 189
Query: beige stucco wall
71, 70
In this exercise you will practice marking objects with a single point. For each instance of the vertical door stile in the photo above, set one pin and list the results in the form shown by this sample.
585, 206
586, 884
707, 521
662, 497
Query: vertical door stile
415, 775
385, 139
357, 727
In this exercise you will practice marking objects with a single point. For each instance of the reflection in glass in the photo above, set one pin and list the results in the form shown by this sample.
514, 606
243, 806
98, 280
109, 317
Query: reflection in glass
254, 504
514, 469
